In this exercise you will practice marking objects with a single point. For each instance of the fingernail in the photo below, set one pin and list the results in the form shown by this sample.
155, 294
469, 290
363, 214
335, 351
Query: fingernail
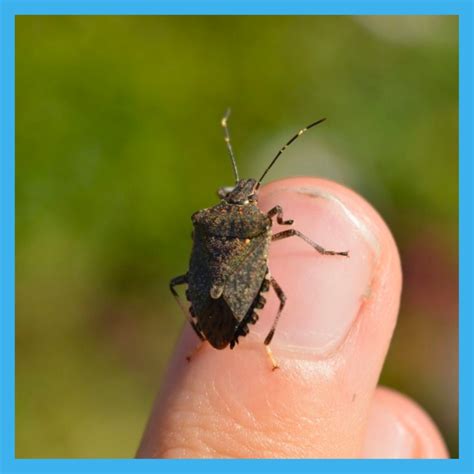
324, 292
387, 437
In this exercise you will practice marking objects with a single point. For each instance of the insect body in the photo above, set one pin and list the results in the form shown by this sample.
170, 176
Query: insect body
228, 271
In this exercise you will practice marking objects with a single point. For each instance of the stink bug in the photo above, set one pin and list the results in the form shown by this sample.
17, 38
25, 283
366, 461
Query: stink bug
228, 271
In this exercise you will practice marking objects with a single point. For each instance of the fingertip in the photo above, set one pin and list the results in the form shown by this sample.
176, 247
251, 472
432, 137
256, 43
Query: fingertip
363, 288
231, 404
357, 209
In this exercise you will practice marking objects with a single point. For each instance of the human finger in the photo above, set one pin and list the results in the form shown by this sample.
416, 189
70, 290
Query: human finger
330, 343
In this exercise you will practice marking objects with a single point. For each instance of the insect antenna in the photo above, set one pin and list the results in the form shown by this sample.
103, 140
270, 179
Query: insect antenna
229, 146
284, 147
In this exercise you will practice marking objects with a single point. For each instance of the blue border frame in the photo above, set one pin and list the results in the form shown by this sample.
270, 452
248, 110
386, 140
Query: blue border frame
11, 8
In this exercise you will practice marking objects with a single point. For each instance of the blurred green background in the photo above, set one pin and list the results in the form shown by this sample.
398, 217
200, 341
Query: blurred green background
118, 142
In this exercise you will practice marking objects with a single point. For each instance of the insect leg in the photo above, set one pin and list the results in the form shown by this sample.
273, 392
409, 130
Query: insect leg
282, 298
272, 358
291, 232
278, 211
182, 280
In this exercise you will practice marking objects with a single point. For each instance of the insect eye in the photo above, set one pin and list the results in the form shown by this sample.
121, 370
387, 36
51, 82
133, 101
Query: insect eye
223, 192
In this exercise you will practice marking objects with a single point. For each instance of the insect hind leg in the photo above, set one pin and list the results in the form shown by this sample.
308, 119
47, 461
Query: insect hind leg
183, 280
282, 297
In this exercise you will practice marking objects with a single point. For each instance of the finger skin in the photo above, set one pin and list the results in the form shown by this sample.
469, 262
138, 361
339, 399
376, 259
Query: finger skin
229, 404
399, 428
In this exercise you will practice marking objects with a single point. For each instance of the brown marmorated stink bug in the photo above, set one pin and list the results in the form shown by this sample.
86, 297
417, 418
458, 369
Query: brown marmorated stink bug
228, 269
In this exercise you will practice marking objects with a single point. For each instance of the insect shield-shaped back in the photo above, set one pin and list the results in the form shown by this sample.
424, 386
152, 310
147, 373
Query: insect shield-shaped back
228, 265
228, 270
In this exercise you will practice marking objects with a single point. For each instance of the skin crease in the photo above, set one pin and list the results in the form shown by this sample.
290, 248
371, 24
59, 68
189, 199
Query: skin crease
323, 401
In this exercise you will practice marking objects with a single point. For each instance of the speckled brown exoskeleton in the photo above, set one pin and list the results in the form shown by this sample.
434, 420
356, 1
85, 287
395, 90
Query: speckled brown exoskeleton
228, 271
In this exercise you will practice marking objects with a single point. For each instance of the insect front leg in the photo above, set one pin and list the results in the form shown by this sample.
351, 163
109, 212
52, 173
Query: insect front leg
183, 280
278, 211
293, 232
